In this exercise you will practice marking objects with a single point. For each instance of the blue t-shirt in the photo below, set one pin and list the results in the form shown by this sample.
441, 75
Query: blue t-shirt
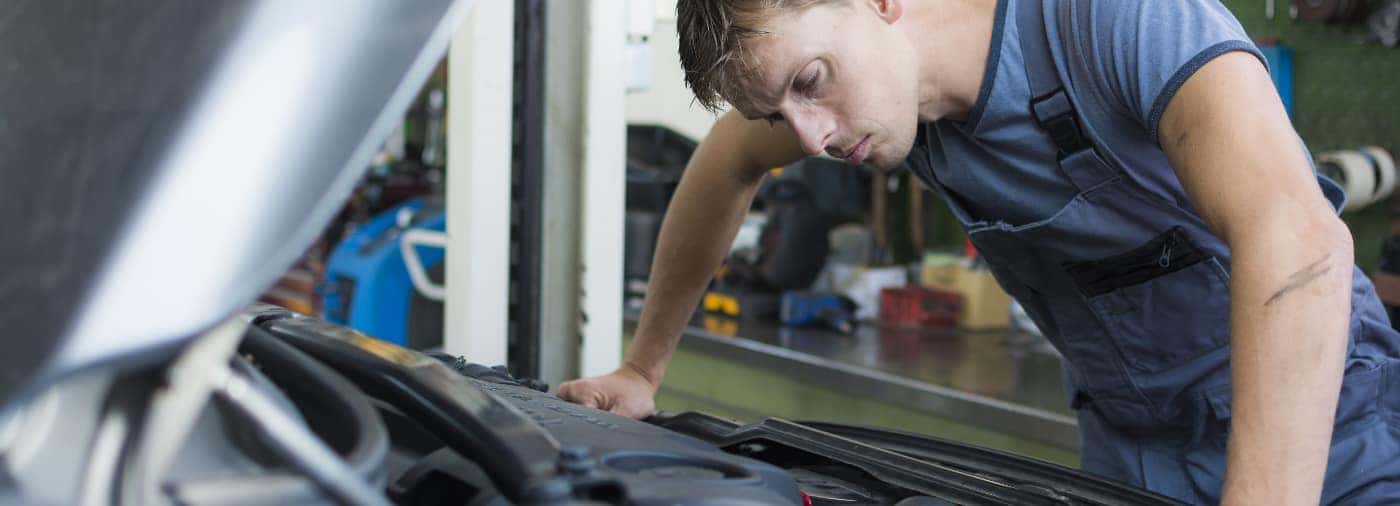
1128, 59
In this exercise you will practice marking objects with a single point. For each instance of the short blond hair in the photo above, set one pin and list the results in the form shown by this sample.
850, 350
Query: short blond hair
712, 35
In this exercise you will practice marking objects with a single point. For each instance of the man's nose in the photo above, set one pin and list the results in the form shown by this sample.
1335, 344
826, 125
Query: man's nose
813, 130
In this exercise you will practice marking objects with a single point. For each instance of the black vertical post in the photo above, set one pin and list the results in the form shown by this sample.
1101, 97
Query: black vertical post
527, 180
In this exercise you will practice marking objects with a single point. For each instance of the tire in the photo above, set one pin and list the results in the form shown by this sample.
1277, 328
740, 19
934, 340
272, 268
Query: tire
1384, 164
1358, 177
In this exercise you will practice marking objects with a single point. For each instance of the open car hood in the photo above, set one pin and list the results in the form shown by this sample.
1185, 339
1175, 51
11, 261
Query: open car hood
173, 158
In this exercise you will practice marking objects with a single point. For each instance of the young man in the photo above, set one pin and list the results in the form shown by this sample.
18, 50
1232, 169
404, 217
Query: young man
1129, 173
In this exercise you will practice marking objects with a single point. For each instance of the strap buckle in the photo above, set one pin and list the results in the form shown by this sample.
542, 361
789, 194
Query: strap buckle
1055, 114
1064, 130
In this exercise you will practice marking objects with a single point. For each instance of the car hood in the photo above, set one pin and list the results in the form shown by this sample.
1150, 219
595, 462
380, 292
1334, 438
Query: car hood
171, 159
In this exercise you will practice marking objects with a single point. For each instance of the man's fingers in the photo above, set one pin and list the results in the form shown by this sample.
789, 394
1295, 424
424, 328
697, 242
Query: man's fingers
593, 399
582, 393
569, 391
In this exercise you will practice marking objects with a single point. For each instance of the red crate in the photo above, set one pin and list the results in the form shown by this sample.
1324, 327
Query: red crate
916, 306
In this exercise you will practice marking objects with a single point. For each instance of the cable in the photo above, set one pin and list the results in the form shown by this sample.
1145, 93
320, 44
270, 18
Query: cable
297, 444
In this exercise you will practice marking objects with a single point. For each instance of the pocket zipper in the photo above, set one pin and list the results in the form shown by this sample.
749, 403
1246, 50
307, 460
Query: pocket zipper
1167, 253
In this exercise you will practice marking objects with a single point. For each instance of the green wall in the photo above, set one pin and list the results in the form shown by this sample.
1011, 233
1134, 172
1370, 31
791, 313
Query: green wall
1345, 94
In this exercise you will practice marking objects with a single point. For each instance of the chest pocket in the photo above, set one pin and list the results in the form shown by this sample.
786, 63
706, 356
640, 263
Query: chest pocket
1162, 304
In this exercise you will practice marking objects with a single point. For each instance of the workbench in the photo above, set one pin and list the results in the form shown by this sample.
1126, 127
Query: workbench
998, 389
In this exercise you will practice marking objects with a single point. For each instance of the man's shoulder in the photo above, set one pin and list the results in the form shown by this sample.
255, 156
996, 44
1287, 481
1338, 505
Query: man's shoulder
1136, 53
1131, 20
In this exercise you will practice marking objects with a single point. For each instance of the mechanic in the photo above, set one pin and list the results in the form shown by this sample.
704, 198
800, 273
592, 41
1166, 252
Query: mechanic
1129, 173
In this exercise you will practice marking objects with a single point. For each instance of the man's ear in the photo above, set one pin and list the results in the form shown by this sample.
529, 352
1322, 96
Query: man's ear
889, 11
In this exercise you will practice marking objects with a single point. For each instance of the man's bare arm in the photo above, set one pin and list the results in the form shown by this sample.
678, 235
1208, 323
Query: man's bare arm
704, 215
1237, 155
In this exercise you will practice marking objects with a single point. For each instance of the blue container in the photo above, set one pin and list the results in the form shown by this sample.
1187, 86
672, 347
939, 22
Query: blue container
367, 286
1280, 60
809, 308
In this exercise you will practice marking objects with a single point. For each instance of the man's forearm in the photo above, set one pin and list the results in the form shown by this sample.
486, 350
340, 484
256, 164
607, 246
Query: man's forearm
700, 225
1290, 301
705, 213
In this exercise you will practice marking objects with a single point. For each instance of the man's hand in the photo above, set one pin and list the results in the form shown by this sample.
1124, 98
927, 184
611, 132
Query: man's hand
624, 392
704, 215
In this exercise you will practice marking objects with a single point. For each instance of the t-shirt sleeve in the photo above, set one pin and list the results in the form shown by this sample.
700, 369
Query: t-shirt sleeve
1142, 51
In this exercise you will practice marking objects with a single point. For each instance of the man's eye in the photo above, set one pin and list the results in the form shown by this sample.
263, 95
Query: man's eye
808, 84
773, 118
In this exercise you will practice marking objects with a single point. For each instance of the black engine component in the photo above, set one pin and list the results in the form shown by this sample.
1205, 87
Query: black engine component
466, 433
960, 473
445, 478
495, 374
531, 444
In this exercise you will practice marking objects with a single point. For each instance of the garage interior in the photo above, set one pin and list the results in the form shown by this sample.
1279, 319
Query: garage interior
327, 252
363, 253
583, 143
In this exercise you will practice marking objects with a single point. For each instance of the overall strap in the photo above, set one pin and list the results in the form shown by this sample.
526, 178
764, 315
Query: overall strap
1050, 104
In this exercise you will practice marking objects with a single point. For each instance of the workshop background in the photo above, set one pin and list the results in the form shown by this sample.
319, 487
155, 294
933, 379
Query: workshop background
847, 296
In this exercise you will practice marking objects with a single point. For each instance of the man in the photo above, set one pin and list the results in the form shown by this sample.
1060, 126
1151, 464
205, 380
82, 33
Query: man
1129, 173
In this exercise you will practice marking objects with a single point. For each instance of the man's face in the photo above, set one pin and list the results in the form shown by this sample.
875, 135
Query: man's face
842, 78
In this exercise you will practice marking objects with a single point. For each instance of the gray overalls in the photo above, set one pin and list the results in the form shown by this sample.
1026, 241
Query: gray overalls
1133, 290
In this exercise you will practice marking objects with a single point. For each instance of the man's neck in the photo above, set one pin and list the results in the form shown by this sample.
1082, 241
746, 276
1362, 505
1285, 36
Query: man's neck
951, 39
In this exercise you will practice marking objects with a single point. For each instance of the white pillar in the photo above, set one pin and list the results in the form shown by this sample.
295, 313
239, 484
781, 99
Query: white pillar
478, 184
604, 187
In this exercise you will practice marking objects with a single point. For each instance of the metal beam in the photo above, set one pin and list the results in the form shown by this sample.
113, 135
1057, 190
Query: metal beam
478, 184
559, 228
583, 190
527, 181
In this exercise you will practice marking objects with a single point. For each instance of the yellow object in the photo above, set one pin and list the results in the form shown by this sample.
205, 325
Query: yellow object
985, 304
716, 302
720, 325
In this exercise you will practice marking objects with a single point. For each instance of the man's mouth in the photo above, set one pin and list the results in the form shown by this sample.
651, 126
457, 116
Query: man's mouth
858, 152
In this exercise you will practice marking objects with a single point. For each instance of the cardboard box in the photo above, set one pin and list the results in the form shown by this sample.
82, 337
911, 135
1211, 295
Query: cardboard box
985, 304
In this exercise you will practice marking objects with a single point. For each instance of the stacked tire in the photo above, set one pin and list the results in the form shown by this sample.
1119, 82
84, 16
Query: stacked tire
1367, 175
